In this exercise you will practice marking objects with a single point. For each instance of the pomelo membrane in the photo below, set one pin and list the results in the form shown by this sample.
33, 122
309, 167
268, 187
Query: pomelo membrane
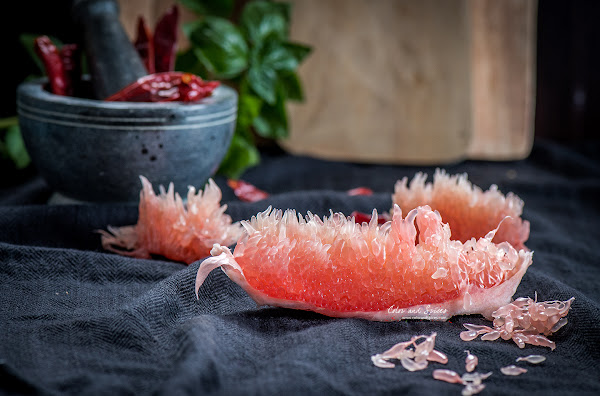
170, 227
339, 268
470, 211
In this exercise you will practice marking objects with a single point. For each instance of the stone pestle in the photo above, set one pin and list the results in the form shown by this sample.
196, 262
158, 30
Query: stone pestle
112, 59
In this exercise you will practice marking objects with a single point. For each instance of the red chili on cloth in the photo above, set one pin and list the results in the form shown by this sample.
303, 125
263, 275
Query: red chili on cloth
245, 191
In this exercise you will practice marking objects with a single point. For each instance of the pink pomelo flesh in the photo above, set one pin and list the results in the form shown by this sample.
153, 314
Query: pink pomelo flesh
470, 211
407, 268
171, 228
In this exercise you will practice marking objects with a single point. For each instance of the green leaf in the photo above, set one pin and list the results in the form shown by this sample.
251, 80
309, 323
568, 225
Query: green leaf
242, 155
220, 47
15, 147
8, 122
265, 19
248, 109
187, 61
264, 82
222, 8
299, 51
266, 61
291, 86
272, 121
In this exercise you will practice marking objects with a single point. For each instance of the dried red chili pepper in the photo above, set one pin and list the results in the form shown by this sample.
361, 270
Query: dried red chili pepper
144, 44
165, 41
360, 217
50, 56
70, 56
166, 87
360, 191
245, 191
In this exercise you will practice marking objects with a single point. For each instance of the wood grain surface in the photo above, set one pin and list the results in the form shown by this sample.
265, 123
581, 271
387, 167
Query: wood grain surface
503, 57
406, 81
388, 81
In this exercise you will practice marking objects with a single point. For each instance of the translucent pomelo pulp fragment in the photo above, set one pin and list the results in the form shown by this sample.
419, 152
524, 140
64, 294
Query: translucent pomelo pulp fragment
413, 365
478, 328
491, 336
525, 321
471, 362
513, 370
437, 356
472, 389
447, 375
173, 229
474, 378
468, 335
533, 359
413, 355
379, 361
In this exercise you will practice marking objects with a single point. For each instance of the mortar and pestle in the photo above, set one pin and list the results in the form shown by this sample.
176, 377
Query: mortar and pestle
93, 150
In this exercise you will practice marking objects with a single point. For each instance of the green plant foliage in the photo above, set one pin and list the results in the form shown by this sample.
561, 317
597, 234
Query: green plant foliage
220, 47
12, 146
222, 8
253, 55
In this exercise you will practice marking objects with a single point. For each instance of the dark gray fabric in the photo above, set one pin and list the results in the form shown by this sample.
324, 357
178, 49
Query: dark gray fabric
77, 320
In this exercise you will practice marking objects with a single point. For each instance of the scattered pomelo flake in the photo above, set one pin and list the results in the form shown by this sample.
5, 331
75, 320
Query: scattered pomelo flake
473, 331
525, 321
447, 375
472, 389
341, 268
245, 191
473, 383
513, 370
533, 359
491, 336
474, 378
380, 362
360, 191
468, 335
470, 212
438, 357
471, 362
413, 355
171, 228
477, 328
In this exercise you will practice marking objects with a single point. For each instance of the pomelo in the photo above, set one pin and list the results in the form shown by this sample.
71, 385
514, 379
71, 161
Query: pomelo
340, 268
171, 228
470, 211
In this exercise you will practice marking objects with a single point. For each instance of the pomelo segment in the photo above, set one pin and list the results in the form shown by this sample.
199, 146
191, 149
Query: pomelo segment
337, 267
171, 228
470, 212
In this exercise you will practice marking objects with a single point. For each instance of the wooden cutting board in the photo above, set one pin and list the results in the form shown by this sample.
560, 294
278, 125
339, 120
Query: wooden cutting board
415, 81
407, 81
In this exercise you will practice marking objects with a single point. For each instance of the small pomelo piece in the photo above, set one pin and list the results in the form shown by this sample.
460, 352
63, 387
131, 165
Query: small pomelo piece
340, 268
470, 212
171, 228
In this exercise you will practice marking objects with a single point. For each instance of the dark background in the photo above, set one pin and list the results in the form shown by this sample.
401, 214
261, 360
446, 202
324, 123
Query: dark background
568, 65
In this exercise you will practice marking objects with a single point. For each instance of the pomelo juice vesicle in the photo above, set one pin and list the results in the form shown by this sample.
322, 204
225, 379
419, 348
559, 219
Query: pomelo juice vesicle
340, 268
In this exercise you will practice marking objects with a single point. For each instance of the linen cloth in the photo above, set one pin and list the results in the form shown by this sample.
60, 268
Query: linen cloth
75, 319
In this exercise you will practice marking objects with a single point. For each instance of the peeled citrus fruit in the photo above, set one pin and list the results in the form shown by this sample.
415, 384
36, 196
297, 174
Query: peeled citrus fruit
171, 228
468, 210
380, 272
